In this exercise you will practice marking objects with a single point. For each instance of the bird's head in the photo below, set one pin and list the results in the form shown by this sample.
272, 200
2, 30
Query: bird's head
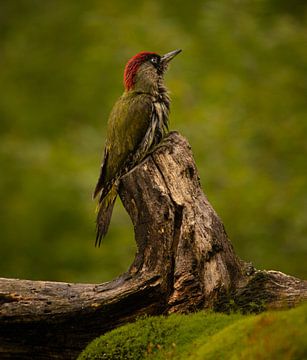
144, 70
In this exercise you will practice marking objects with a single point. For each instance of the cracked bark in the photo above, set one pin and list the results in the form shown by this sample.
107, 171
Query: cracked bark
184, 262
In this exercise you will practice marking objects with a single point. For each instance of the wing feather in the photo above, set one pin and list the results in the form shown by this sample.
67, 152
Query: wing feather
128, 125
100, 182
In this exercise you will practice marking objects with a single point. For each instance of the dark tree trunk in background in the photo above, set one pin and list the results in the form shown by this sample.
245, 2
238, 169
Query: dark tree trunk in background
184, 262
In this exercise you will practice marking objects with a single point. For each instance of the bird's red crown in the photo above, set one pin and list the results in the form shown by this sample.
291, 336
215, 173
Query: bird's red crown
132, 67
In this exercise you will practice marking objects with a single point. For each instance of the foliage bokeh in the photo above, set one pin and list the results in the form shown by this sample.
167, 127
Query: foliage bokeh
239, 95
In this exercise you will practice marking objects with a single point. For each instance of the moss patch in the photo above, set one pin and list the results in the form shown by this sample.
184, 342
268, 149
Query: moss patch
207, 335
272, 335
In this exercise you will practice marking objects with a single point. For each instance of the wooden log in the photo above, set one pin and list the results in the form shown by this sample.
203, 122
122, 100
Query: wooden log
184, 262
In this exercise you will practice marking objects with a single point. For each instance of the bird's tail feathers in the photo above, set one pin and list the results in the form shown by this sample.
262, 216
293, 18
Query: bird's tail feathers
104, 213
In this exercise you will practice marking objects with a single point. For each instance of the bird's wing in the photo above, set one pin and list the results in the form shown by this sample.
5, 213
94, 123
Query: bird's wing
100, 182
127, 127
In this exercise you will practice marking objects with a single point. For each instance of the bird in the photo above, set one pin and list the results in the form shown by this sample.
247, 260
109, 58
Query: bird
136, 125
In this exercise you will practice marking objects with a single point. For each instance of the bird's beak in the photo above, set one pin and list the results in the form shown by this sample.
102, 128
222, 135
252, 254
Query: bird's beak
165, 59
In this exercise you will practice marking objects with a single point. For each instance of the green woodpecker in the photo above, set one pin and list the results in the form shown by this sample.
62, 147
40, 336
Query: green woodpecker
137, 123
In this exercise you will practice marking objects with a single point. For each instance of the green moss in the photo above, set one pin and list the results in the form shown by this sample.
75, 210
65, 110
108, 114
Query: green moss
207, 335
272, 335
252, 299
154, 337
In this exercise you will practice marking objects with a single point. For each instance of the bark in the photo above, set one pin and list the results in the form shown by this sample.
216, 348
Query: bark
184, 262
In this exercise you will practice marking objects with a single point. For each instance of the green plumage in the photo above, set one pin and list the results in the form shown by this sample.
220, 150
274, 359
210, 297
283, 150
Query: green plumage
138, 122
127, 127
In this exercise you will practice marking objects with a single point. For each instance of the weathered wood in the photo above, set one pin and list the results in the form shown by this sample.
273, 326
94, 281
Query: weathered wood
184, 262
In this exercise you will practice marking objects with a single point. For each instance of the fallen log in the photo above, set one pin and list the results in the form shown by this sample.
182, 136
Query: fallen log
185, 262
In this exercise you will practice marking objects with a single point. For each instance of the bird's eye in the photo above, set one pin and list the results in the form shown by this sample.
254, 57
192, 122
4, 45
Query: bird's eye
154, 60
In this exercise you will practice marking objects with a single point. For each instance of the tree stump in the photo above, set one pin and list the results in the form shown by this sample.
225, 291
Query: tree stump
185, 262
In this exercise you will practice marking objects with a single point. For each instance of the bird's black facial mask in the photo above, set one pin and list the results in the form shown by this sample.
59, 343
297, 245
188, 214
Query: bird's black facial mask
161, 62
155, 60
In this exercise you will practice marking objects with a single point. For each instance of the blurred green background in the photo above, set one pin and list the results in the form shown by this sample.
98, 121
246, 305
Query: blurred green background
239, 95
